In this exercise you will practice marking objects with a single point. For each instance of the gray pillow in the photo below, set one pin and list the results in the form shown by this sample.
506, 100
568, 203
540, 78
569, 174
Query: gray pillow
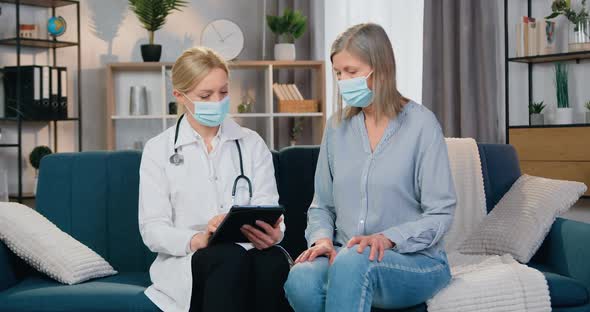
523, 217
46, 248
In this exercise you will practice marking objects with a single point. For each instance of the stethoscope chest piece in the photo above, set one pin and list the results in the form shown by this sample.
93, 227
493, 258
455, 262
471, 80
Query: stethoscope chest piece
176, 159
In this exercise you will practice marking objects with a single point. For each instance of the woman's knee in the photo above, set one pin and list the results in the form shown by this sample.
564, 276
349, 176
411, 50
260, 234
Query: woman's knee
306, 279
349, 262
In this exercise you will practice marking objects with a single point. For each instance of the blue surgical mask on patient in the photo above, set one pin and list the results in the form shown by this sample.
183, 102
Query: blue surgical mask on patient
355, 91
210, 114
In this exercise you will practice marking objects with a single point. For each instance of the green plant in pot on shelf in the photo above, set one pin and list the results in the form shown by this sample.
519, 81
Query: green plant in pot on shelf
587, 106
564, 113
152, 15
296, 130
288, 28
579, 26
247, 104
35, 159
536, 113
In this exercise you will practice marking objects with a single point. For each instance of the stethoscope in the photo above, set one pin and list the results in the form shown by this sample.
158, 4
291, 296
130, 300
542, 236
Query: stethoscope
177, 160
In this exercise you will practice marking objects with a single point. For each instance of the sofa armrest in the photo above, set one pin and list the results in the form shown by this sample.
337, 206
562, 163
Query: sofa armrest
566, 250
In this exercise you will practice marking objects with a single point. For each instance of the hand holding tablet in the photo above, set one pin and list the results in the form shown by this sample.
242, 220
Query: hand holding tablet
245, 217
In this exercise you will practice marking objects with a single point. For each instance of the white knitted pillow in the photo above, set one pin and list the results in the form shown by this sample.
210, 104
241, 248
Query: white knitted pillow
48, 249
519, 223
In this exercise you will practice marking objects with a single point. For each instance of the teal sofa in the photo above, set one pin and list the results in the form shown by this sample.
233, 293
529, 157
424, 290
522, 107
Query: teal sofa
93, 197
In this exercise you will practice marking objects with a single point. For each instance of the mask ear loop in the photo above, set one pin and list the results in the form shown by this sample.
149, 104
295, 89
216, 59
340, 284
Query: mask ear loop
186, 106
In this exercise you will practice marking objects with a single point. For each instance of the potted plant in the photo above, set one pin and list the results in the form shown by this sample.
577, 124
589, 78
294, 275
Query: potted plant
536, 113
152, 15
564, 114
579, 27
288, 28
246, 105
35, 159
587, 105
296, 130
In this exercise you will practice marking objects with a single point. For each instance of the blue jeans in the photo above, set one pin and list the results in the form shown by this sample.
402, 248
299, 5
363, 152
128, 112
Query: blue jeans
354, 283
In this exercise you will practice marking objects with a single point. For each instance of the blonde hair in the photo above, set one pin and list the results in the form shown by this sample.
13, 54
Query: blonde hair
192, 67
370, 43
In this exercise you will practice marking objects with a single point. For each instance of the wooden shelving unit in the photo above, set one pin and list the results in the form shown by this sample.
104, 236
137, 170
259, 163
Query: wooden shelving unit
553, 151
156, 75
551, 58
47, 44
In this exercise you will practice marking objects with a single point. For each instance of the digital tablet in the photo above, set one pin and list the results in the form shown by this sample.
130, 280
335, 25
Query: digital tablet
229, 229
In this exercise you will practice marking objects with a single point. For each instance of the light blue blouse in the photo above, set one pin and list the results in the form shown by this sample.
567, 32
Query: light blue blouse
404, 189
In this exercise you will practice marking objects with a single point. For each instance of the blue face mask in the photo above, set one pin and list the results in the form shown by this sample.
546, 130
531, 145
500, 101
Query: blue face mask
210, 114
355, 91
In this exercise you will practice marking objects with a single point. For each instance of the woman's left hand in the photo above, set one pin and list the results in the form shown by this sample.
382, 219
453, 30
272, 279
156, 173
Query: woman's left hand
378, 243
262, 240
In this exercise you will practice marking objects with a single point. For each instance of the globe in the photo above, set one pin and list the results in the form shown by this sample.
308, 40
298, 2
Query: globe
56, 26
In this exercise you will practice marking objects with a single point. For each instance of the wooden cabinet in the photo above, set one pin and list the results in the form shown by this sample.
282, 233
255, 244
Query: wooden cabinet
559, 152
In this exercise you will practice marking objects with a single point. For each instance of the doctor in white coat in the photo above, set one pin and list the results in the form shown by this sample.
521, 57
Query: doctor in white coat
186, 178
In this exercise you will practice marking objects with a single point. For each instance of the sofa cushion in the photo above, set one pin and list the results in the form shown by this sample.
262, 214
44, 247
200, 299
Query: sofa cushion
527, 211
566, 291
123, 292
500, 169
93, 197
295, 183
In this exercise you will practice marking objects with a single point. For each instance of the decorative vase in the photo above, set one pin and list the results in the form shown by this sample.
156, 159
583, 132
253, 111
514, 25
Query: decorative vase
172, 108
537, 120
138, 101
293, 142
4, 186
588, 117
151, 52
35, 185
285, 51
579, 36
564, 116
547, 37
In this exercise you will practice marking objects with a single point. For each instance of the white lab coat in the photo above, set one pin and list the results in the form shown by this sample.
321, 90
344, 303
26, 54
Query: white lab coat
176, 202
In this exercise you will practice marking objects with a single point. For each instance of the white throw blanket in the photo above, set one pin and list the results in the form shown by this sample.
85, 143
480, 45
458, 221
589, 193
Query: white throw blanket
492, 283
471, 199
482, 283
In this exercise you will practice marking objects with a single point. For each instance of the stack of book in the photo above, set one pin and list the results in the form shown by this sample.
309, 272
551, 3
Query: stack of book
291, 100
287, 92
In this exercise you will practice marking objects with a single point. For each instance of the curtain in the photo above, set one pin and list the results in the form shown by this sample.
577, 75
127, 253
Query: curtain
462, 73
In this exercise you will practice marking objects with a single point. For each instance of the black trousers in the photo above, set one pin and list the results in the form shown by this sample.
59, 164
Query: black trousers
228, 278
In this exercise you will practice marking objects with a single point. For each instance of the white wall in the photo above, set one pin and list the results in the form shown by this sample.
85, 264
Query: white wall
403, 22
543, 74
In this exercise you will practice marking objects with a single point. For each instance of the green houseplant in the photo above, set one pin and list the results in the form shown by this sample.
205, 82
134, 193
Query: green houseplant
579, 27
536, 117
564, 114
35, 159
152, 15
587, 105
296, 130
288, 28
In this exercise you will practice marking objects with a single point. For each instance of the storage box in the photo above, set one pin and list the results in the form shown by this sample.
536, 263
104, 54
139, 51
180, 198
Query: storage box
298, 106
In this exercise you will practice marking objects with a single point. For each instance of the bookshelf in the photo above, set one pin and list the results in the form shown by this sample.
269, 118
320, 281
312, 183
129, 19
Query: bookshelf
554, 151
266, 119
35, 45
